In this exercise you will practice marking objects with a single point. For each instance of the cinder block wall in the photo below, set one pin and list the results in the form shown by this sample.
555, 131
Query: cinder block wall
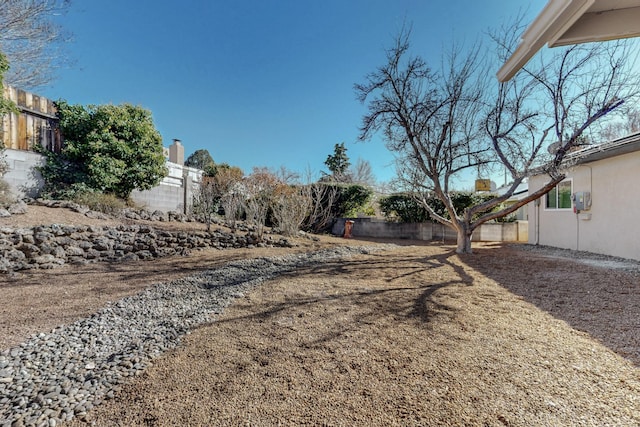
371, 227
22, 177
169, 195
376, 228
174, 193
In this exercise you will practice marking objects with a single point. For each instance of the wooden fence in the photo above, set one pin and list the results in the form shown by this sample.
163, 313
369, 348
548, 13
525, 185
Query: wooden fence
35, 124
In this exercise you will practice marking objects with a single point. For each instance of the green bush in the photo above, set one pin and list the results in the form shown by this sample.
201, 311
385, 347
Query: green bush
403, 207
6, 105
6, 197
112, 149
351, 200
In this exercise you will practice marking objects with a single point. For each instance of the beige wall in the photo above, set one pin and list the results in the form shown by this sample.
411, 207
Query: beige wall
610, 226
169, 195
379, 228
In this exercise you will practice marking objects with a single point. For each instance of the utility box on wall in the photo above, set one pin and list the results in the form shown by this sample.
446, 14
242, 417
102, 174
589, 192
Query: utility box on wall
582, 201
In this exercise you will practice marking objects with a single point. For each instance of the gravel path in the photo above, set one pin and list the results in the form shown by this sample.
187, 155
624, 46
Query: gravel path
57, 376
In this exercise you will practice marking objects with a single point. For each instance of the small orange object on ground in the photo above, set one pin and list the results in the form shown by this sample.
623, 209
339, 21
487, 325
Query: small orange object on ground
348, 228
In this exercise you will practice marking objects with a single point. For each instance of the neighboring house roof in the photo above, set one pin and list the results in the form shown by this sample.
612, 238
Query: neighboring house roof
564, 22
520, 192
617, 147
592, 153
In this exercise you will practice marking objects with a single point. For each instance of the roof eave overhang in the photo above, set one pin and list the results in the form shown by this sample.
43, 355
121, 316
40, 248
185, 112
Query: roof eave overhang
557, 17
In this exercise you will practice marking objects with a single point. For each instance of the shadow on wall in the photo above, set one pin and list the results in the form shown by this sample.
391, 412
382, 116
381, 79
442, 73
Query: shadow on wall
172, 193
23, 177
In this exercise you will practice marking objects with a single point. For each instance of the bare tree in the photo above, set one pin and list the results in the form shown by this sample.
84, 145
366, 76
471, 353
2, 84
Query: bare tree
323, 199
291, 205
232, 202
31, 40
362, 173
231, 192
259, 188
628, 122
290, 201
441, 123
287, 176
206, 199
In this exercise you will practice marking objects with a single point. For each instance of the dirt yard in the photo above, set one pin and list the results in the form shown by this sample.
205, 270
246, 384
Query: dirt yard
415, 335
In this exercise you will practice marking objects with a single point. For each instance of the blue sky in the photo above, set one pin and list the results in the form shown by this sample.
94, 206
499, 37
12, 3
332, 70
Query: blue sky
257, 83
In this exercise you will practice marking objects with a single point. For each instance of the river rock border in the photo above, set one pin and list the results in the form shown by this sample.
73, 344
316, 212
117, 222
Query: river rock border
54, 377
54, 245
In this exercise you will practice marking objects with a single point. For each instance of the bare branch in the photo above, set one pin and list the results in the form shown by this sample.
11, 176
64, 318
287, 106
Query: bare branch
441, 123
31, 40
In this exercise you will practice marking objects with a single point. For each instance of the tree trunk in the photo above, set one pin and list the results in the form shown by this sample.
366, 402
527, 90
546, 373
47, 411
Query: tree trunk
464, 239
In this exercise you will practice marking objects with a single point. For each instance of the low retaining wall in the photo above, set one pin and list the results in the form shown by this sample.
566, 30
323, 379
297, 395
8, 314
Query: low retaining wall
376, 228
55, 245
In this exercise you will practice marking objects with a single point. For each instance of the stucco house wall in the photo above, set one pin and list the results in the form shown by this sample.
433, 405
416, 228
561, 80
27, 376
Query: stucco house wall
609, 226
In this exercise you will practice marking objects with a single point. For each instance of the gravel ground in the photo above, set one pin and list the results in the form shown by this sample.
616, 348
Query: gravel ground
55, 376
413, 335
410, 336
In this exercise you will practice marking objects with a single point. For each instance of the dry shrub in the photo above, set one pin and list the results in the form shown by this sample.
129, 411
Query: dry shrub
6, 197
290, 206
207, 199
259, 188
100, 202
228, 180
323, 198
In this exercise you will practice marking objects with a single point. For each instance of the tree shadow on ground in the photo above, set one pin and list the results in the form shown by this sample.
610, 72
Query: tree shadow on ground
388, 286
137, 273
603, 302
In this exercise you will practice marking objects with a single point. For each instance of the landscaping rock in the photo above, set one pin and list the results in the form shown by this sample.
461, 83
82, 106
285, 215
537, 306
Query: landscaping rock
55, 245
54, 377
18, 208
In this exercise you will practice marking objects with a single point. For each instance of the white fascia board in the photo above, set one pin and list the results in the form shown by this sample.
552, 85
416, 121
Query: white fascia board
602, 26
556, 17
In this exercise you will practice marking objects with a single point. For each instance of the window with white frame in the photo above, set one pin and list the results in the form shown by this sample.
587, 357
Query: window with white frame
560, 196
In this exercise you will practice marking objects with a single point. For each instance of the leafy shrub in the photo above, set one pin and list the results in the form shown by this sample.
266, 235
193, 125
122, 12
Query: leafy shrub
404, 207
4, 166
6, 105
111, 149
352, 199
